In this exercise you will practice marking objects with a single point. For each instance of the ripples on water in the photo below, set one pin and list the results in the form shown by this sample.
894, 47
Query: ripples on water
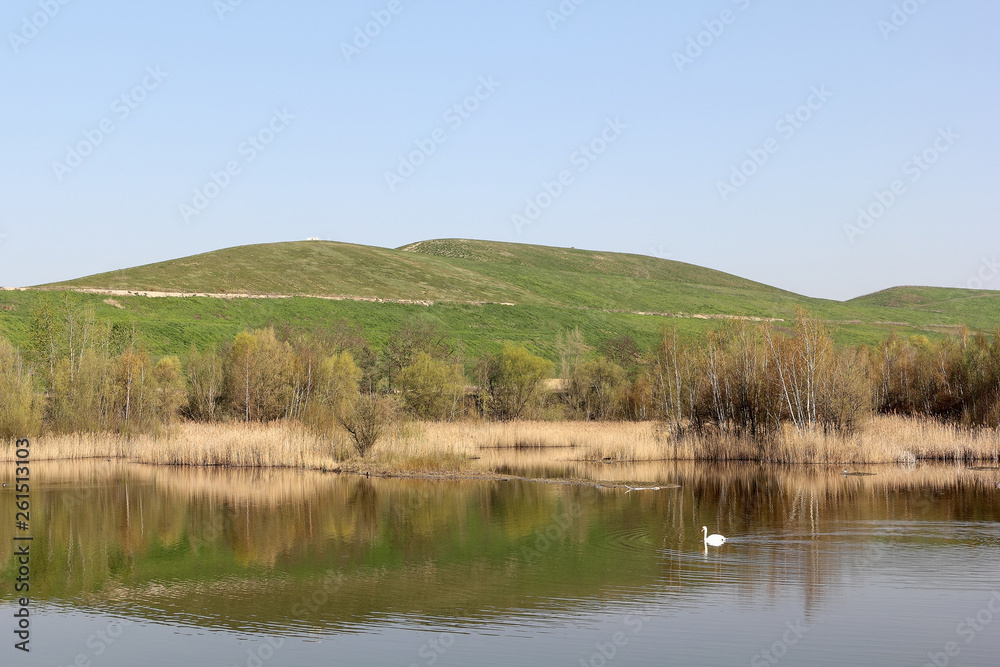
206, 565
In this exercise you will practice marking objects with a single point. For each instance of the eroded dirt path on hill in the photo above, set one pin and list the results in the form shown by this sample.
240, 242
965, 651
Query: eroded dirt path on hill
153, 294
247, 295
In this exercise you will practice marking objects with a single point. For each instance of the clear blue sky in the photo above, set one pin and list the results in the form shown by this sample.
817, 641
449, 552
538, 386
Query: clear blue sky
670, 123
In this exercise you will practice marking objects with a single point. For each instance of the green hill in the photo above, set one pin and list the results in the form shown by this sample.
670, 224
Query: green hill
451, 271
481, 292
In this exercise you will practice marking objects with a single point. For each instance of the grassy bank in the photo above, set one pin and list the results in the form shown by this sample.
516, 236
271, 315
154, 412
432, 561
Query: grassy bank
488, 447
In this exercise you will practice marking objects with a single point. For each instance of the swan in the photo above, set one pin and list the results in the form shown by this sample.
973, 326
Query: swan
715, 540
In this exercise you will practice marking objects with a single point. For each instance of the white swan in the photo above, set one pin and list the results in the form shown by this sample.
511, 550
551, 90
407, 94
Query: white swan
714, 540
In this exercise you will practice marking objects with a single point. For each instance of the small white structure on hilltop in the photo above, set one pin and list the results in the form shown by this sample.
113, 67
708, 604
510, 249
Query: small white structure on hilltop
313, 238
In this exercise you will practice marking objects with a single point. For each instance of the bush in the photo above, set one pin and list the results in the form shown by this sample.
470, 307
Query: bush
366, 418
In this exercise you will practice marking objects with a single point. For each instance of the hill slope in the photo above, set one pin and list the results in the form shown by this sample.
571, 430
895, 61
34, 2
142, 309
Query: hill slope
456, 271
480, 292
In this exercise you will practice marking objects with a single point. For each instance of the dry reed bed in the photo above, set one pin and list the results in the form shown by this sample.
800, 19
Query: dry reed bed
463, 446
882, 440
229, 444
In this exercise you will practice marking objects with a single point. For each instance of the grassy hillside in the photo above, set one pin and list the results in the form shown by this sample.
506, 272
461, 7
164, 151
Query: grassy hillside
169, 326
546, 289
453, 271
307, 268
978, 308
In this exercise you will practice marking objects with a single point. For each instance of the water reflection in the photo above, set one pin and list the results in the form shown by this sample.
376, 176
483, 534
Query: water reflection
284, 552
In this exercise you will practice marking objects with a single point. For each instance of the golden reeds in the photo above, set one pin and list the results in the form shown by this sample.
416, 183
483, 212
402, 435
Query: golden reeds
478, 445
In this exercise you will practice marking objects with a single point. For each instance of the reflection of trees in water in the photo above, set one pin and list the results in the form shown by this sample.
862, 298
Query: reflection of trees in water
362, 499
224, 538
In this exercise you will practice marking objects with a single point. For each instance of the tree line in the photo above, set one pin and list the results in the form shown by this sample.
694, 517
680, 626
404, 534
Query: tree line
81, 374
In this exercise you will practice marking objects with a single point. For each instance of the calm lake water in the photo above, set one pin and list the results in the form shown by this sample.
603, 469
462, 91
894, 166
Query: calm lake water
137, 565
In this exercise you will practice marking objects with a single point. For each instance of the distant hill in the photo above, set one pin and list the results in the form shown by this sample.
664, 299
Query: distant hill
483, 292
454, 271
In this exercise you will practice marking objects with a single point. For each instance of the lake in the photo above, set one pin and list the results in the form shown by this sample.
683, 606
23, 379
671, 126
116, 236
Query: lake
138, 565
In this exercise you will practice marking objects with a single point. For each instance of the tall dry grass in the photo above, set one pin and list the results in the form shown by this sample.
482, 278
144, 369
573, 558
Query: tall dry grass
481, 446
276, 444
283, 444
884, 439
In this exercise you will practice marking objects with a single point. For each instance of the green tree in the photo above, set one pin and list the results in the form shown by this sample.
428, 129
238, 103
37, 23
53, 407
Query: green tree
413, 337
136, 392
512, 381
337, 381
85, 401
259, 375
20, 404
206, 384
43, 334
432, 389
598, 389
171, 387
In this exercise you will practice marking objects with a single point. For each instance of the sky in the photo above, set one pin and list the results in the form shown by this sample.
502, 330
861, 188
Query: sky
831, 147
